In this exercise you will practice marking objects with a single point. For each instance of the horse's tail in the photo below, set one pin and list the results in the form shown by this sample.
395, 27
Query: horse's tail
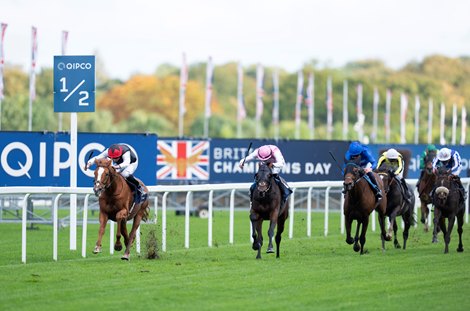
145, 214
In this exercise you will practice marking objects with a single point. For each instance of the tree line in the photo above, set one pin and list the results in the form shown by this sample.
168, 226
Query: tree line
149, 103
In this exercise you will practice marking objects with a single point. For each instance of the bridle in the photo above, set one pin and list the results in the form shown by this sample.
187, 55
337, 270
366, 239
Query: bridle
355, 173
101, 186
263, 183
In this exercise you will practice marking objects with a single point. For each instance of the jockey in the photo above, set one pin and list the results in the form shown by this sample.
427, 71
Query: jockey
271, 155
125, 162
394, 160
367, 162
450, 159
429, 148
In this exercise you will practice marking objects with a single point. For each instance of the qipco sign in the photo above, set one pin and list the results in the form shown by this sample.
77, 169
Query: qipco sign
43, 159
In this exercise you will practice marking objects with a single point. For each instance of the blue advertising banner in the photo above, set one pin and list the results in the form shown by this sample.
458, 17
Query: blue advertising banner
43, 159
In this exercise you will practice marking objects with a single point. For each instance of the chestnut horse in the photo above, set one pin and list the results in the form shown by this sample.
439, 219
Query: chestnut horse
449, 204
426, 183
397, 205
117, 203
359, 203
266, 205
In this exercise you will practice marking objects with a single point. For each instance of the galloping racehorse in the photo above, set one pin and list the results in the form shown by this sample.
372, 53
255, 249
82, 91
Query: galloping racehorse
397, 205
266, 205
426, 184
117, 203
447, 204
359, 203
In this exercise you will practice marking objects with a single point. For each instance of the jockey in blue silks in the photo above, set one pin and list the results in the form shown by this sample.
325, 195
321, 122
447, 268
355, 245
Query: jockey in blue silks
450, 159
358, 151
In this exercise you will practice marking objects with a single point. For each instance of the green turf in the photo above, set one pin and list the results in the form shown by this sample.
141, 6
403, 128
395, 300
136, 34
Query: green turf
317, 273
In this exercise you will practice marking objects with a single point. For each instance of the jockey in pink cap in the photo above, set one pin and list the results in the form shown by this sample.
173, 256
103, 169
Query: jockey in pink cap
271, 155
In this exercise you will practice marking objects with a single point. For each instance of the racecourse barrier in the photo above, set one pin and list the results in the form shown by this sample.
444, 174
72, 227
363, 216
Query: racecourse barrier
189, 190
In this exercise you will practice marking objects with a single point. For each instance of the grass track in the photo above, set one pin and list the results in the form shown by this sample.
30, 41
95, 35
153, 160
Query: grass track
317, 273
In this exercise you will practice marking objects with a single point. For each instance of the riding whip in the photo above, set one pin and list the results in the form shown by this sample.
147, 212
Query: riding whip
247, 151
339, 167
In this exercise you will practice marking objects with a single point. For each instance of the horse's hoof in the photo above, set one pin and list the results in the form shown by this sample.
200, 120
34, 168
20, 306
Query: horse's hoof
97, 250
397, 246
118, 247
270, 251
388, 237
356, 247
255, 246
434, 240
460, 249
350, 240
125, 257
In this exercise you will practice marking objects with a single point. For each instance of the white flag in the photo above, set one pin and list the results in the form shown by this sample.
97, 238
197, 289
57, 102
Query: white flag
375, 112
345, 110
403, 111
329, 108
65, 37
430, 112
388, 103
2, 58
442, 139
209, 80
463, 135
259, 92
417, 108
454, 124
34, 55
298, 103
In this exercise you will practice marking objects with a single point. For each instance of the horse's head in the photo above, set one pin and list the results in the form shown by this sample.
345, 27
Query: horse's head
428, 162
352, 173
263, 178
104, 174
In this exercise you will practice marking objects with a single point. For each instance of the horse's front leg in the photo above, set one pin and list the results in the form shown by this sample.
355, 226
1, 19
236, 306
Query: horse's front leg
437, 216
447, 233
103, 221
121, 221
348, 223
362, 239
272, 225
356, 246
424, 216
135, 225
460, 231
395, 238
256, 233
406, 219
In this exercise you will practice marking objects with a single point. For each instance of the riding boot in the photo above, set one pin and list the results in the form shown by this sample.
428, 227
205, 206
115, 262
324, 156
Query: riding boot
375, 187
407, 190
141, 195
285, 190
463, 193
419, 179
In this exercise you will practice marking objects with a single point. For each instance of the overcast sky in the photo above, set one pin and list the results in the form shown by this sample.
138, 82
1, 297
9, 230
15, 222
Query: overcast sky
135, 36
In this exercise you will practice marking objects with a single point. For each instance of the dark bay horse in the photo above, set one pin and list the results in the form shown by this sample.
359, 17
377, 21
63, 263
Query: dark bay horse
448, 204
359, 203
266, 205
117, 203
397, 205
426, 183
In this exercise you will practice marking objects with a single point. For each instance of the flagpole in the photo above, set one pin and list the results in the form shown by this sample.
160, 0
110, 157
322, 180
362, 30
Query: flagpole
345, 110
276, 104
2, 62
454, 124
442, 139
311, 103
207, 113
388, 103
241, 113
403, 110
259, 98
329, 107
359, 126
375, 115
32, 77
463, 134
182, 109
417, 108
300, 82
430, 111
65, 35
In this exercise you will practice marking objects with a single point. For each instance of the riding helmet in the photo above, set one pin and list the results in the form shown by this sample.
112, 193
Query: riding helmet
115, 151
392, 154
444, 154
355, 148
264, 152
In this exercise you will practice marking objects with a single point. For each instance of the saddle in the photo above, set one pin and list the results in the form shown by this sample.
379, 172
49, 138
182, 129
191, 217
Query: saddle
138, 198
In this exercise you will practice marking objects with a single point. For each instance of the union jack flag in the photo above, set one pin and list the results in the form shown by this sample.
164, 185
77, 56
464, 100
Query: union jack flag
183, 160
